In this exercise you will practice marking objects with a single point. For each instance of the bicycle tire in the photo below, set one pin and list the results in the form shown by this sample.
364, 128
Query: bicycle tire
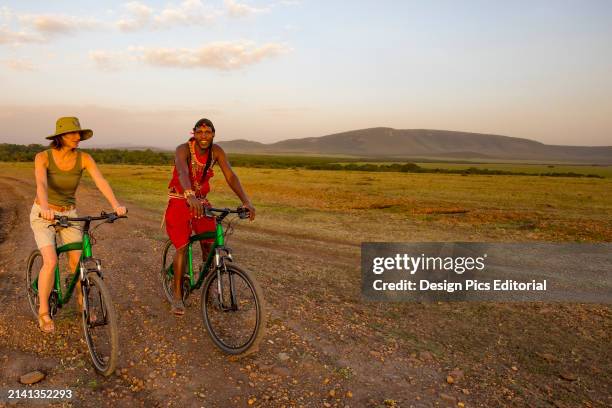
31, 274
166, 283
104, 364
210, 286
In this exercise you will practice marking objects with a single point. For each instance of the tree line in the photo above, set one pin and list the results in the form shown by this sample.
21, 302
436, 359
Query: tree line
25, 153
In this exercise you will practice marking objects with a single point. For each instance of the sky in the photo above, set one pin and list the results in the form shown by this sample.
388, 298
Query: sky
143, 72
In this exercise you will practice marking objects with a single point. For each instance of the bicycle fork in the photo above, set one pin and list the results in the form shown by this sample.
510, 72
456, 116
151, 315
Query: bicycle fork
86, 266
223, 255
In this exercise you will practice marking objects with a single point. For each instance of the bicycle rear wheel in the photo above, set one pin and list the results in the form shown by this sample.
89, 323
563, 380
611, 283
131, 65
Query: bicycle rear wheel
167, 279
100, 325
167, 276
236, 327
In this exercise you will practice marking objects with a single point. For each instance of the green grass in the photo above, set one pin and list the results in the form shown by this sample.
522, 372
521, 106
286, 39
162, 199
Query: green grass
535, 169
362, 206
604, 171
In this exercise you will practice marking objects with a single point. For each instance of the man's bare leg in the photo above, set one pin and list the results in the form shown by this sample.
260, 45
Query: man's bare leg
205, 249
178, 308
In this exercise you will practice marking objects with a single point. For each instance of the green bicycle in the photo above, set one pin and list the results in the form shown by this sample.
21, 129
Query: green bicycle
232, 303
98, 314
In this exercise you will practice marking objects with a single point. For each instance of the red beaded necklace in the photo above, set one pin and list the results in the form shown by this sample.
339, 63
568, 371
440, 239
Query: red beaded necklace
198, 169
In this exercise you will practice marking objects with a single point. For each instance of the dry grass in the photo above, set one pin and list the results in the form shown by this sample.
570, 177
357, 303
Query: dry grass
361, 206
319, 283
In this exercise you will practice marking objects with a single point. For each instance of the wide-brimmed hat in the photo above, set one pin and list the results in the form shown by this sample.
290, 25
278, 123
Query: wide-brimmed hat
68, 125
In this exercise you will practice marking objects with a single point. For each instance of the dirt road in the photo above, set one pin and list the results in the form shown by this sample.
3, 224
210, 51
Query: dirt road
323, 347
169, 361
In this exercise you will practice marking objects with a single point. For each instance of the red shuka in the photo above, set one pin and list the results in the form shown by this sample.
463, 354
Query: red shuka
179, 219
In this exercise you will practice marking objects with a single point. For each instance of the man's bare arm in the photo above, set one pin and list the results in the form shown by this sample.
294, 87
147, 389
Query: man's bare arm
181, 160
232, 179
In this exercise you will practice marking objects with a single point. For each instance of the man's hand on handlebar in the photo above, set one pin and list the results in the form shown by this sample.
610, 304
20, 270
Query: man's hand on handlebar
242, 211
249, 207
120, 210
195, 204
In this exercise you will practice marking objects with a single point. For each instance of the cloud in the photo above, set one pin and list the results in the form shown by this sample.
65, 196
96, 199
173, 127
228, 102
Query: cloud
223, 56
189, 12
58, 23
37, 28
140, 16
11, 37
19, 65
235, 9
186, 13
107, 60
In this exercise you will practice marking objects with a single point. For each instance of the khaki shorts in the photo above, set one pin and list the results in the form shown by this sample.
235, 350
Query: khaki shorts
45, 235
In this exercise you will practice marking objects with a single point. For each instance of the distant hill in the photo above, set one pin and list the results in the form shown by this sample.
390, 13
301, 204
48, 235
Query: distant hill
125, 146
241, 145
411, 143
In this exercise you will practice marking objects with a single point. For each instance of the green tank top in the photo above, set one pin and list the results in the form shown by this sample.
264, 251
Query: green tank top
62, 185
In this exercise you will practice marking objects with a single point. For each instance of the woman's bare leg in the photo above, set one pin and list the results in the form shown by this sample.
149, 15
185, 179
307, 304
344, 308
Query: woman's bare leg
45, 277
45, 285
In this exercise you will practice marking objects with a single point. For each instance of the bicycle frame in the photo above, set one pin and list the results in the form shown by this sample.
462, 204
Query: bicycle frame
86, 253
217, 245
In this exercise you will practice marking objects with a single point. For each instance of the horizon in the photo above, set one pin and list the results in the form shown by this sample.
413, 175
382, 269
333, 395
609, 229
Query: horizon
124, 145
267, 71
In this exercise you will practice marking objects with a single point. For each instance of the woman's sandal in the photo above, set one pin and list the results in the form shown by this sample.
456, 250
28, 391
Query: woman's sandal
46, 325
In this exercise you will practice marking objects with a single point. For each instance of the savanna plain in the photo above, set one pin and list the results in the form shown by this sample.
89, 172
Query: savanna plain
325, 345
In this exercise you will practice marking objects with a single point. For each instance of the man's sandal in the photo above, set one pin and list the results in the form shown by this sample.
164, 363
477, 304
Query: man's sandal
92, 314
178, 307
46, 325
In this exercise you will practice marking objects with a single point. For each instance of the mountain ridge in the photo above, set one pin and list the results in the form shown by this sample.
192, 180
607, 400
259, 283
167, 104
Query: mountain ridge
405, 143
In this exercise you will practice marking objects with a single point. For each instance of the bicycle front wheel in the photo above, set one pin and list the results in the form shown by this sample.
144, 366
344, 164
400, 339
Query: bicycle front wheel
100, 325
233, 310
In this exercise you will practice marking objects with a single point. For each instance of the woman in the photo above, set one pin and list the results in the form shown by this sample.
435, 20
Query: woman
58, 171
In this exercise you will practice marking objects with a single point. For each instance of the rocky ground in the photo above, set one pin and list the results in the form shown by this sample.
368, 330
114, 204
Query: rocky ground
324, 346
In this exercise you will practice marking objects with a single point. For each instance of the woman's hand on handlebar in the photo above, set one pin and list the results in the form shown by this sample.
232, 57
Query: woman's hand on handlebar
47, 214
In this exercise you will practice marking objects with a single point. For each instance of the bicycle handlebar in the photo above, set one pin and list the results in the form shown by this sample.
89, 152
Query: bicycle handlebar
241, 211
62, 220
103, 216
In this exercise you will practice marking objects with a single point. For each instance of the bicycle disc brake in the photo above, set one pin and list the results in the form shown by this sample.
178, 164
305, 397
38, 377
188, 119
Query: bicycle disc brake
226, 296
186, 288
53, 303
